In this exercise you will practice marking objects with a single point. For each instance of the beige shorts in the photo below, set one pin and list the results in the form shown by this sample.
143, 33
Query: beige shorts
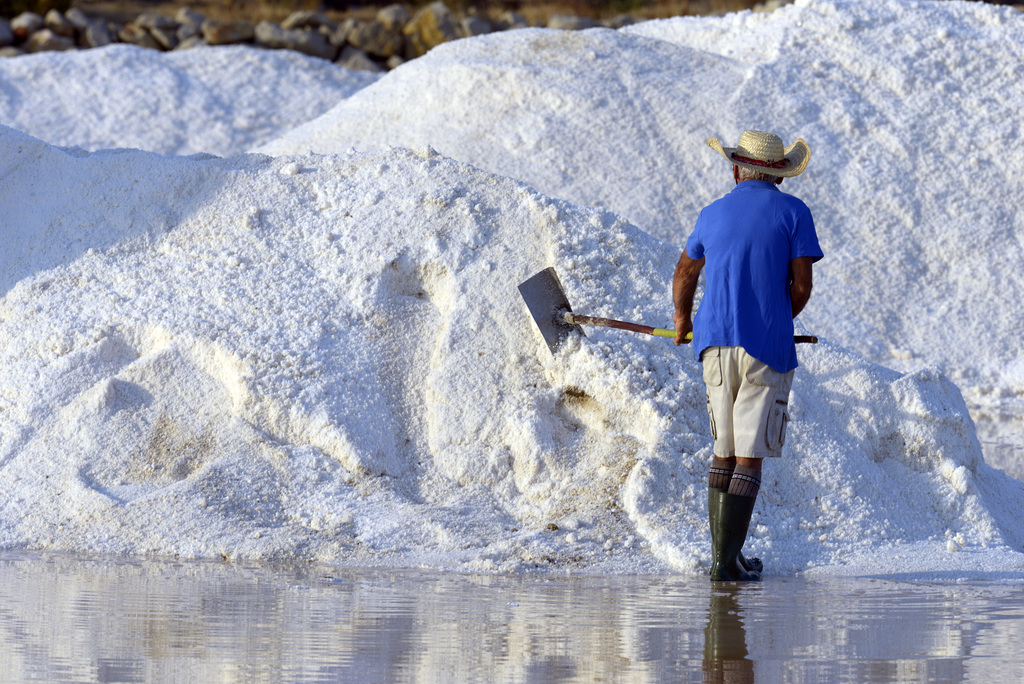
748, 403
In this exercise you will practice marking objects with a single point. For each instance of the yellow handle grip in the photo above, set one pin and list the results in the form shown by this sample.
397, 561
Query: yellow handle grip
666, 332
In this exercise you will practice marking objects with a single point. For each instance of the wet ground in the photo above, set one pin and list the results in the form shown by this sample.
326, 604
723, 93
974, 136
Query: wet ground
69, 619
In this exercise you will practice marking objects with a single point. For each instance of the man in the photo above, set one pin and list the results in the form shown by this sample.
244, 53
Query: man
756, 246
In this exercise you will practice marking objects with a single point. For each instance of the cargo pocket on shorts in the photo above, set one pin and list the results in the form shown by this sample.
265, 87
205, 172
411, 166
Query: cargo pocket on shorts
775, 433
711, 360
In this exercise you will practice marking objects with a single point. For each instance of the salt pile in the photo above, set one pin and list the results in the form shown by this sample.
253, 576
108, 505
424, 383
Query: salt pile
215, 100
910, 109
324, 357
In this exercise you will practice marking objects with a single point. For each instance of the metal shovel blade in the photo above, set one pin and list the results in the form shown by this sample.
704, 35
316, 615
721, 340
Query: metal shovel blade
548, 305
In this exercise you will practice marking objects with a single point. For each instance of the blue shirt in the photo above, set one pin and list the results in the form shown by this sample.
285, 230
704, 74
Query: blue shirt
748, 238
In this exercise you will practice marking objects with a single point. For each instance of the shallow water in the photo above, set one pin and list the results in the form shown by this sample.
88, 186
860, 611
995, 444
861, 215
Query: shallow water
115, 620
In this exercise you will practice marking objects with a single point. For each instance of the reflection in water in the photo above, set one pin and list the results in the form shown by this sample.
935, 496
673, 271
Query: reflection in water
118, 620
726, 659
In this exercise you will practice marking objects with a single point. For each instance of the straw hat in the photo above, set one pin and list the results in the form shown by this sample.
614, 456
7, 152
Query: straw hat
760, 151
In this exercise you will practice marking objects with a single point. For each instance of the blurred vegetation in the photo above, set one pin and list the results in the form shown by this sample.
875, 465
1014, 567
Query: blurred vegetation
12, 8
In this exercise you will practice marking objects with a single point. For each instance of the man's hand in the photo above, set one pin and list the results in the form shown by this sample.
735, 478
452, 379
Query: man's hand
684, 326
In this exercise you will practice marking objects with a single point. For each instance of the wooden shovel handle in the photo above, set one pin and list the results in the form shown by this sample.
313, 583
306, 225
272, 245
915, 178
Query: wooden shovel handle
580, 319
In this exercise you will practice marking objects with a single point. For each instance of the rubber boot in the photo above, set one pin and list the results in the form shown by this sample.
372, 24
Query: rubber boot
728, 537
715, 497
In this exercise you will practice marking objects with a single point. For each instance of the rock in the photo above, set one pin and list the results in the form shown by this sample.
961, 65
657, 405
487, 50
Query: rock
92, 33
188, 31
307, 20
97, 34
59, 24
166, 38
431, 26
25, 24
339, 36
474, 26
48, 41
194, 41
770, 6
137, 35
394, 17
189, 17
511, 20
228, 32
373, 38
152, 20
79, 19
357, 60
394, 62
6, 34
10, 51
619, 21
312, 43
569, 22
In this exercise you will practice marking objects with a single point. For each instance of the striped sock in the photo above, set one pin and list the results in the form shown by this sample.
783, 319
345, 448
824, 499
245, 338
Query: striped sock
720, 473
745, 481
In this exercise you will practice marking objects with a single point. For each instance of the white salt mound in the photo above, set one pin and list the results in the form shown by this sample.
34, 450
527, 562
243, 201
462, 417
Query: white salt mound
326, 358
910, 110
222, 100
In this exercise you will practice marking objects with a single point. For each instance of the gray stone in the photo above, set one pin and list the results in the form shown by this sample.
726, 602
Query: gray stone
374, 38
137, 35
187, 32
25, 24
569, 22
167, 38
474, 26
394, 17
59, 24
312, 43
194, 41
394, 62
97, 34
771, 6
511, 20
357, 60
79, 19
339, 36
152, 20
619, 21
48, 41
228, 32
10, 51
429, 27
6, 34
189, 17
307, 20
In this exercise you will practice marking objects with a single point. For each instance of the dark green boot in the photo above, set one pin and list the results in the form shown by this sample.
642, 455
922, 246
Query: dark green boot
715, 498
727, 537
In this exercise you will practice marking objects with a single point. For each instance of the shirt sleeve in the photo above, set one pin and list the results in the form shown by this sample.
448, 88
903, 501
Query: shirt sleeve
694, 246
805, 238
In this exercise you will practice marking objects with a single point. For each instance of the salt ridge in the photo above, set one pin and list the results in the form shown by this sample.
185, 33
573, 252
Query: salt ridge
910, 109
220, 101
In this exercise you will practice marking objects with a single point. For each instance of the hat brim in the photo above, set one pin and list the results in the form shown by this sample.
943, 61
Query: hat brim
795, 159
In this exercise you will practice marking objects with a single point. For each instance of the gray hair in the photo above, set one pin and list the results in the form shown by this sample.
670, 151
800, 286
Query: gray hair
751, 174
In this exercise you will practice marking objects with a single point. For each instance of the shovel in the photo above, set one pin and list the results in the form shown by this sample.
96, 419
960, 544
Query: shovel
553, 315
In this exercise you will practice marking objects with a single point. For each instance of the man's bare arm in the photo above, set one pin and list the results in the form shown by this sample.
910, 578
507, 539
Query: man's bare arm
801, 283
684, 287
